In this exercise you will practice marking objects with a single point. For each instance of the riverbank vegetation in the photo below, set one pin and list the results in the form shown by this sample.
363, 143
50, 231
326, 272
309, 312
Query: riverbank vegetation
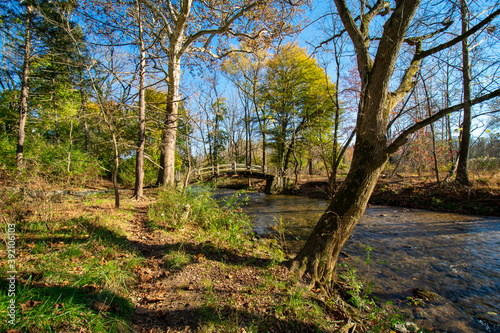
173, 263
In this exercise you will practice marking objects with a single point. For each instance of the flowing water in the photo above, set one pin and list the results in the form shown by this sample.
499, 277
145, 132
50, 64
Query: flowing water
456, 256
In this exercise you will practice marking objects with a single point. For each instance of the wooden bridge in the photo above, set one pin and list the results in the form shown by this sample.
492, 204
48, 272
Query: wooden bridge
274, 179
257, 171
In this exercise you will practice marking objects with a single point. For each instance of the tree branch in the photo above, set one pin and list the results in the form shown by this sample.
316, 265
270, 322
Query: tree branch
476, 28
221, 29
403, 137
154, 8
415, 40
360, 43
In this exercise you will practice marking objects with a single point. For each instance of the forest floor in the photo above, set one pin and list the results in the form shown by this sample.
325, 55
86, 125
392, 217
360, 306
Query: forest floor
84, 266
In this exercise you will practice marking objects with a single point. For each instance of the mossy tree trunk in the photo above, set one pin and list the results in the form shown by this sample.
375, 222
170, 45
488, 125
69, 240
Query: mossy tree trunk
319, 255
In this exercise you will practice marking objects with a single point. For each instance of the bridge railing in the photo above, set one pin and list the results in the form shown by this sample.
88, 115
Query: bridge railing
216, 170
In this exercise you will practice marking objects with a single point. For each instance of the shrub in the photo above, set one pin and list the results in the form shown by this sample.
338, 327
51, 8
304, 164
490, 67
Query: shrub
197, 207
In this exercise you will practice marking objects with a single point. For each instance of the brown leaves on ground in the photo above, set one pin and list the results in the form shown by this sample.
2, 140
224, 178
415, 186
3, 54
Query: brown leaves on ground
28, 305
217, 285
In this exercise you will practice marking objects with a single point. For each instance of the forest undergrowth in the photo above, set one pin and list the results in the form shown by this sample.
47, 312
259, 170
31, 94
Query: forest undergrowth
172, 263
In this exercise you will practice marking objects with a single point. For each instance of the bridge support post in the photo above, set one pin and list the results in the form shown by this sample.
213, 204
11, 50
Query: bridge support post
274, 184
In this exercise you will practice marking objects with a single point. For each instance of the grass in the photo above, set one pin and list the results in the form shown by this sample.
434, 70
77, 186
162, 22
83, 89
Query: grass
68, 261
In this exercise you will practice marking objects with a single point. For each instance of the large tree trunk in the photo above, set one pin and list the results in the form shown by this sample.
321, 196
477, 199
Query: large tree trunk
463, 158
141, 136
319, 255
23, 105
167, 174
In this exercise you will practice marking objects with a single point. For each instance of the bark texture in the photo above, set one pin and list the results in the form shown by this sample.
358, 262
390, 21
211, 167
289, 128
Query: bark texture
141, 135
319, 256
169, 135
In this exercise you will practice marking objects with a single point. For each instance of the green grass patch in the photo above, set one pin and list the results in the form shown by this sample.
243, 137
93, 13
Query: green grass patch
177, 259
56, 308
74, 269
224, 224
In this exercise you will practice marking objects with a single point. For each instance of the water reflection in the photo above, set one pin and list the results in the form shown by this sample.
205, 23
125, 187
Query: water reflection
453, 255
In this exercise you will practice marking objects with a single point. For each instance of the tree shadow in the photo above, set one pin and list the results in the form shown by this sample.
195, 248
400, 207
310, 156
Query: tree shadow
59, 303
230, 318
91, 231
212, 252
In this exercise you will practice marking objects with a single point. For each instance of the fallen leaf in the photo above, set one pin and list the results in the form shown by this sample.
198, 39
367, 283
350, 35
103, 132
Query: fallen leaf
141, 310
153, 300
101, 307
29, 304
144, 277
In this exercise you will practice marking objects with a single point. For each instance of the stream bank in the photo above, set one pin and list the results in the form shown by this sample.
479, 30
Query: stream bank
408, 192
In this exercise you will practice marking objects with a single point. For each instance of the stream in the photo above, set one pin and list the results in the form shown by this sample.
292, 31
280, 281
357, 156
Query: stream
456, 256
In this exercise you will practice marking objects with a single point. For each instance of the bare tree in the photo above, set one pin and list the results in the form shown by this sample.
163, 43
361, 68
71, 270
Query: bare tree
23, 104
141, 135
463, 156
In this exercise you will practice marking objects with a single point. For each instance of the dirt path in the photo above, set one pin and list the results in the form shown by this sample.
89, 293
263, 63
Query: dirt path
157, 288
194, 283
182, 281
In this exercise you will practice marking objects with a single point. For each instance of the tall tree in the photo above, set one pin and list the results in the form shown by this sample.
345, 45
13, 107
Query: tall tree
23, 104
141, 135
56, 69
373, 148
463, 156
189, 26
298, 100
43, 60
